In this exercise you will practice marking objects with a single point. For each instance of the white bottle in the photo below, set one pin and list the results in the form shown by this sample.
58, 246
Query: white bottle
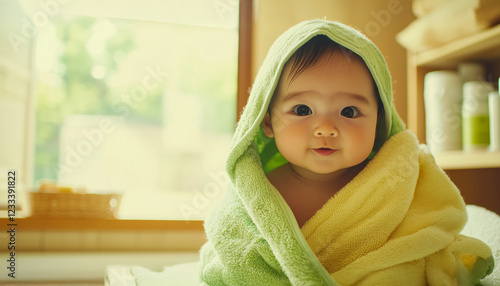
443, 106
494, 104
475, 115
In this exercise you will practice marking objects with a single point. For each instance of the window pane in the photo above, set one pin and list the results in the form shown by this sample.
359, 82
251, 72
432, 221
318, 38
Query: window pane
140, 106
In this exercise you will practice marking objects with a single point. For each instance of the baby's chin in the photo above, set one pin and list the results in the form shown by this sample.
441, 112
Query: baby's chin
319, 170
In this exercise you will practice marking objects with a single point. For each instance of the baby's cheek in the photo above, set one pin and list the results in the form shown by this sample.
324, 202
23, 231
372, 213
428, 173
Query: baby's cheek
289, 140
365, 141
297, 132
364, 131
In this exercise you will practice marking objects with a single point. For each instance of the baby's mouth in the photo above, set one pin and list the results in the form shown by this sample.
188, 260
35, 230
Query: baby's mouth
324, 151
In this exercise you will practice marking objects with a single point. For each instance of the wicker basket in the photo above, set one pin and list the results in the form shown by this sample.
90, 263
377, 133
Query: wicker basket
75, 205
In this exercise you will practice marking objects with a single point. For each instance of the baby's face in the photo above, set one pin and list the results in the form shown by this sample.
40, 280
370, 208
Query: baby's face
325, 119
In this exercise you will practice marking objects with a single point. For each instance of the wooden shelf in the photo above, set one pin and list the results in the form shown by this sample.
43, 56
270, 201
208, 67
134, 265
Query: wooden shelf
483, 45
35, 223
452, 160
476, 174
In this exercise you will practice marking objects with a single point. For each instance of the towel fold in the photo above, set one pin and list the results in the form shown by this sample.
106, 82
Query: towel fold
396, 223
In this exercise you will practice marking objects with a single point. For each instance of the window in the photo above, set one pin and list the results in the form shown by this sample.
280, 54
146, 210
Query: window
138, 98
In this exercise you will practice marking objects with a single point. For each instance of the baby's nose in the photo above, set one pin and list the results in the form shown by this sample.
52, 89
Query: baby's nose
326, 129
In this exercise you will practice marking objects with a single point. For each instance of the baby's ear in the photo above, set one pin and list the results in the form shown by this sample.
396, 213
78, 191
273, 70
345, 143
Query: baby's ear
267, 126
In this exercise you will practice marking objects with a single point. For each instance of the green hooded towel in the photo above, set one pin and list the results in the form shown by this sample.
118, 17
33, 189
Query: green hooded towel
396, 223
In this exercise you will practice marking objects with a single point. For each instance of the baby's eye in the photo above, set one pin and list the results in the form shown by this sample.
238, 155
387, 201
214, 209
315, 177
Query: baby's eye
302, 110
350, 112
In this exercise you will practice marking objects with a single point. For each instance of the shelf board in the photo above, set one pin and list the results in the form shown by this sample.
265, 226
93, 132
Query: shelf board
483, 45
450, 160
40, 223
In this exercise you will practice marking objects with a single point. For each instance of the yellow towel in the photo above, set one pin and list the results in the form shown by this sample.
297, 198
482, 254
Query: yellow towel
398, 220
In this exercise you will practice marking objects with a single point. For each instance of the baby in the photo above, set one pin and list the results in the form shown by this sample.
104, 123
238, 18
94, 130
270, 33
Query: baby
328, 188
323, 116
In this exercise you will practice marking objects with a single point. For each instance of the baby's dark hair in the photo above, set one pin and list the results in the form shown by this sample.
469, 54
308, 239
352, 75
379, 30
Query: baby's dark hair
311, 52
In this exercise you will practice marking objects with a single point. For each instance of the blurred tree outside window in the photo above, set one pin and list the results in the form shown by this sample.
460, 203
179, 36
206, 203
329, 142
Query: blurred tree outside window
144, 107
